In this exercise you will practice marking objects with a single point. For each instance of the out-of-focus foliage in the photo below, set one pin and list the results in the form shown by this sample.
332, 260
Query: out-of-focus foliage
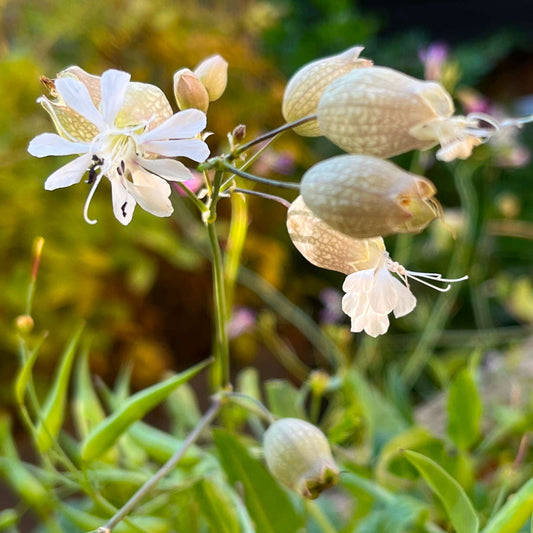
144, 290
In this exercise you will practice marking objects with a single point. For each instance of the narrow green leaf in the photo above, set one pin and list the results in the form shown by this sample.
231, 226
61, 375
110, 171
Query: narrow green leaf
268, 504
106, 433
53, 411
88, 411
464, 410
284, 399
160, 446
453, 497
513, 515
25, 372
15, 473
216, 506
90, 522
8, 518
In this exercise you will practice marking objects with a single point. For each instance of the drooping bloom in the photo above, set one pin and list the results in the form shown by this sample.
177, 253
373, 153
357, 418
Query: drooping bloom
123, 130
363, 196
299, 456
372, 291
306, 86
382, 112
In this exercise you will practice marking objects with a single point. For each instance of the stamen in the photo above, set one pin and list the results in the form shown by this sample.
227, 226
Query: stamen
123, 207
88, 201
419, 276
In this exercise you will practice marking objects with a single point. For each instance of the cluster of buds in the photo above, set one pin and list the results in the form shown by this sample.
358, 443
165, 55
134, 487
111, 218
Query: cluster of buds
195, 89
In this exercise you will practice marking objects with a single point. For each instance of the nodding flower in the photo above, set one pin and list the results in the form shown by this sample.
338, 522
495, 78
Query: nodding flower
372, 291
382, 112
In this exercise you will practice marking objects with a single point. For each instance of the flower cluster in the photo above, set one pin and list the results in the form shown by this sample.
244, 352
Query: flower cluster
127, 132
349, 202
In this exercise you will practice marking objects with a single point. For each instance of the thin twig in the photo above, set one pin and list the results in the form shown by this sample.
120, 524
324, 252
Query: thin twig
278, 199
164, 470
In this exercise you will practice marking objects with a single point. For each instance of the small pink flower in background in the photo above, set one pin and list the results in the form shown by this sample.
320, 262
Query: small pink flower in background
331, 313
281, 162
242, 321
194, 184
434, 57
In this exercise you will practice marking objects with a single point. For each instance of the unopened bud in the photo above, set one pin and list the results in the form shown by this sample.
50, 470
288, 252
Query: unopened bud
298, 455
326, 247
377, 111
363, 196
213, 73
239, 132
24, 324
305, 88
190, 91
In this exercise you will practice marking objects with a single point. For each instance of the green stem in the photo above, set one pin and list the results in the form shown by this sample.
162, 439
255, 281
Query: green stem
221, 353
320, 517
271, 134
257, 179
164, 470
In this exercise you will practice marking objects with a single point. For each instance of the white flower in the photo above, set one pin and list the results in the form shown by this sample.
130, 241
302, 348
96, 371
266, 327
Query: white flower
123, 130
373, 293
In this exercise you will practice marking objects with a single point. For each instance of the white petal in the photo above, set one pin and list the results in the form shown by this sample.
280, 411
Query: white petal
170, 169
355, 304
114, 86
153, 200
52, 144
68, 174
194, 149
359, 281
406, 300
181, 125
77, 97
146, 179
376, 324
123, 202
383, 297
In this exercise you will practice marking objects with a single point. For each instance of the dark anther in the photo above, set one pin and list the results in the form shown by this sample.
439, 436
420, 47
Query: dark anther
123, 207
92, 176
123, 166
119, 170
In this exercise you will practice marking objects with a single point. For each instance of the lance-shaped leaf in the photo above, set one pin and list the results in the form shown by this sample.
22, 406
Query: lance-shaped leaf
216, 506
451, 494
106, 433
24, 374
53, 412
87, 408
269, 506
513, 515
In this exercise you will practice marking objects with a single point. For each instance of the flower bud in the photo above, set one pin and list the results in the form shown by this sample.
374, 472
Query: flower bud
190, 91
305, 88
213, 73
298, 455
377, 111
24, 324
362, 196
326, 247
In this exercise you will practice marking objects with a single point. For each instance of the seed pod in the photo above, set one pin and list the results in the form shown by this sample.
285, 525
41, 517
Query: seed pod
213, 73
305, 88
326, 247
298, 455
190, 91
363, 196
377, 110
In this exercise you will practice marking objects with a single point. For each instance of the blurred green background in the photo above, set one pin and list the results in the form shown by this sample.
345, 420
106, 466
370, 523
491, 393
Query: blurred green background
144, 290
